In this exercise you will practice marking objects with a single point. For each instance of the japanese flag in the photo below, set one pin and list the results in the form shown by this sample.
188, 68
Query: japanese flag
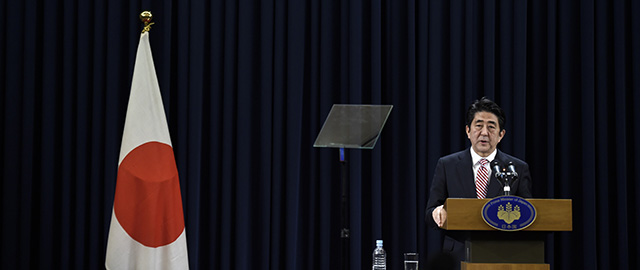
147, 224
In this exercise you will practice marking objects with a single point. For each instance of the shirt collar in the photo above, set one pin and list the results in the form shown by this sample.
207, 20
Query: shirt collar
475, 158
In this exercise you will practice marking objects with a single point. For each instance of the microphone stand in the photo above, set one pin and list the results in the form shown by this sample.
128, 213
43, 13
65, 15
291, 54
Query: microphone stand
509, 177
506, 187
503, 178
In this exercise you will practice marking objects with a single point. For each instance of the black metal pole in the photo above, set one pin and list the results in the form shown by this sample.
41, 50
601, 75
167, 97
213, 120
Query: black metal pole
344, 209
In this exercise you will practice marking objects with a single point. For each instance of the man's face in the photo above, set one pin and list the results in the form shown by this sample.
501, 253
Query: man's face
484, 133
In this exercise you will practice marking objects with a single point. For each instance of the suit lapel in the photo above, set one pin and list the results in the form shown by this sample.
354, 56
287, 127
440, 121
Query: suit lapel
465, 171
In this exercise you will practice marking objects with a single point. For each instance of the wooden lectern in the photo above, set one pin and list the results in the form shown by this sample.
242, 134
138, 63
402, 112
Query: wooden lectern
488, 248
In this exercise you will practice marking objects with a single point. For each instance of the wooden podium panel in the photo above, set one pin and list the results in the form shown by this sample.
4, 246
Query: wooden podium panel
517, 250
465, 214
503, 266
505, 247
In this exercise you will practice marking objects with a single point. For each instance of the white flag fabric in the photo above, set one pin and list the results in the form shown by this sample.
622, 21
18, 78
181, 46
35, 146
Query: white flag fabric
147, 223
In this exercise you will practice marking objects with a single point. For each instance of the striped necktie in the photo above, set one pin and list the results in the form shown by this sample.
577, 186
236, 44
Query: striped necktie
482, 179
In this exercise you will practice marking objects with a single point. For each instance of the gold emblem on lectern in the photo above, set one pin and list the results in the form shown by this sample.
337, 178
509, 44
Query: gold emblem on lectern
509, 215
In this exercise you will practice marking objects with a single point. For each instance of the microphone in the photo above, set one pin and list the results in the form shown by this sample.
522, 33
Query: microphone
501, 176
497, 168
512, 169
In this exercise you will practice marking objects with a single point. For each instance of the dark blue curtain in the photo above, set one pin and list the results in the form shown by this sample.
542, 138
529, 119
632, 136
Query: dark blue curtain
247, 86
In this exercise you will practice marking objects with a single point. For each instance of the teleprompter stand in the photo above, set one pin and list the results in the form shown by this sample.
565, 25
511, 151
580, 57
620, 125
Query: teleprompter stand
356, 127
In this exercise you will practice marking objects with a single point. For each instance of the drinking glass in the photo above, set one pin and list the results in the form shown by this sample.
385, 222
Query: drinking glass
411, 261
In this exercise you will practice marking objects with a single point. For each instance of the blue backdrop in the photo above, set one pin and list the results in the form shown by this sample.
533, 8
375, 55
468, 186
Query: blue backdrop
247, 86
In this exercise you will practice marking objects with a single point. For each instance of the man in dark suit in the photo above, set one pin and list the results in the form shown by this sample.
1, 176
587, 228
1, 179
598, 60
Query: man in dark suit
459, 175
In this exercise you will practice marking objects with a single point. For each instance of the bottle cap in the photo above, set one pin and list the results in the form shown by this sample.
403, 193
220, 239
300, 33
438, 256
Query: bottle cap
379, 243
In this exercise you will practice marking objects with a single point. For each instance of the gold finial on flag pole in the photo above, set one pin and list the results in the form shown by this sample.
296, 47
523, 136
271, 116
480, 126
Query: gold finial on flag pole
146, 17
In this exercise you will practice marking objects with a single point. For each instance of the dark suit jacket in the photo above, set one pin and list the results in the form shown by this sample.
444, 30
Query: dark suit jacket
453, 178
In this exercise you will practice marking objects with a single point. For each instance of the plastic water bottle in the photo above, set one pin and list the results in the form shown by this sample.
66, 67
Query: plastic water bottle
379, 257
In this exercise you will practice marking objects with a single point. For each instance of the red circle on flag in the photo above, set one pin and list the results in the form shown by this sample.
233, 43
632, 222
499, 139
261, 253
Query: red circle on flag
147, 203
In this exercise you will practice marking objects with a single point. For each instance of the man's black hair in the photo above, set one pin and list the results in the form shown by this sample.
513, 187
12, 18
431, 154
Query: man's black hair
486, 105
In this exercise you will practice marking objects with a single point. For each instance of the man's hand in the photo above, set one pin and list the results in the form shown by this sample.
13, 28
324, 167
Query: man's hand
439, 215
